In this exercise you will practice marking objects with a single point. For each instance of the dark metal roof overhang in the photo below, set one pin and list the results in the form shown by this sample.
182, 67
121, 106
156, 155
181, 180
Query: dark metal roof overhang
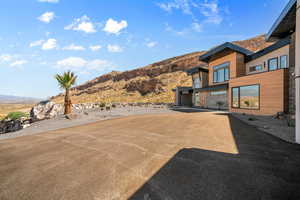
228, 45
285, 23
197, 69
273, 47
213, 88
183, 89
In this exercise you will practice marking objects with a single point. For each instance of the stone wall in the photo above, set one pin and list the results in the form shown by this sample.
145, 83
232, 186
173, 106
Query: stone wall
292, 90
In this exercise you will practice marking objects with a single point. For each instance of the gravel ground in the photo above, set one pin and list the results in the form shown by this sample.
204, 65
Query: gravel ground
184, 155
85, 117
268, 124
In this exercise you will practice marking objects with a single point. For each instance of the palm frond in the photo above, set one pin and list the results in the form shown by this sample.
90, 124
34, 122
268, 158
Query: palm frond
66, 80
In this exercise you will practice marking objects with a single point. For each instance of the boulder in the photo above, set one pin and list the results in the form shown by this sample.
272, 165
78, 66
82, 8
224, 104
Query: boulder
10, 126
46, 110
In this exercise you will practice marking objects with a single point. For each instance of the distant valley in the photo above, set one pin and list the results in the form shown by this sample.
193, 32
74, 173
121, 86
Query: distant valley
8, 99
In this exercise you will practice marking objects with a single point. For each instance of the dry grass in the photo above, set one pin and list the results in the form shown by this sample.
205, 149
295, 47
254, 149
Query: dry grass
7, 108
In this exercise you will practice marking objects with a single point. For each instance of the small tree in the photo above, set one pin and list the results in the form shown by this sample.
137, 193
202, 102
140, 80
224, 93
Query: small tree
247, 103
65, 82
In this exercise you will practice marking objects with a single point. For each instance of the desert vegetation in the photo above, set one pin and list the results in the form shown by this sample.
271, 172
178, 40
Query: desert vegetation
5, 109
65, 82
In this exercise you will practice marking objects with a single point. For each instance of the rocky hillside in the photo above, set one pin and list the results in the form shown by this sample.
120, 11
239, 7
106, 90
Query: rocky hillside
152, 83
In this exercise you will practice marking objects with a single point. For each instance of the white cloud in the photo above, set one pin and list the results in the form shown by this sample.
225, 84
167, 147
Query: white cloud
74, 47
50, 44
114, 27
47, 17
151, 44
183, 5
181, 33
82, 24
18, 63
6, 58
197, 27
36, 43
114, 48
12, 60
98, 65
95, 47
83, 66
205, 12
212, 12
72, 62
49, 1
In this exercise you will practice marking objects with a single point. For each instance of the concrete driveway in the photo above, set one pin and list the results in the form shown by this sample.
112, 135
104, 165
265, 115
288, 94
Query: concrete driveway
178, 155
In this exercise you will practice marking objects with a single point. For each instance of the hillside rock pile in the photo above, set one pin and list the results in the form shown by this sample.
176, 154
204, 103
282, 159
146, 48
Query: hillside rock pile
46, 110
9, 125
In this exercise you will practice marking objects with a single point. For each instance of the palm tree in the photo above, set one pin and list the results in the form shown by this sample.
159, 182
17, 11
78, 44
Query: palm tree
65, 82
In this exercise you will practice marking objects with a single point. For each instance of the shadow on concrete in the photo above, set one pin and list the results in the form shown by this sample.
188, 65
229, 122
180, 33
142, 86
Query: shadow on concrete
265, 168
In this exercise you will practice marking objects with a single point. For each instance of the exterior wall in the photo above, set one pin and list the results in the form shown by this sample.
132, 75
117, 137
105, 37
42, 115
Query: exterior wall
204, 79
186, 99
292, 89
273, 88
240, 65
177, 97
236, 68
264, 59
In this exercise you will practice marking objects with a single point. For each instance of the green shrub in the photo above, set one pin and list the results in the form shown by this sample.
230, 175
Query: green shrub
102, 104
16, 115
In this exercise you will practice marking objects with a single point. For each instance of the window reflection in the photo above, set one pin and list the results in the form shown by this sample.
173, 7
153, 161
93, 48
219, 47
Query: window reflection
245, 97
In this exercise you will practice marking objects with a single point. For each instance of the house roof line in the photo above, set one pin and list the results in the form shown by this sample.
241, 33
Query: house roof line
197, 69
227, 45
280, 19
273, 47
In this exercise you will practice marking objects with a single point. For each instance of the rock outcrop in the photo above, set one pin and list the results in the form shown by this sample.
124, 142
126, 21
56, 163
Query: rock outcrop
46, 110
145, 87
8, 125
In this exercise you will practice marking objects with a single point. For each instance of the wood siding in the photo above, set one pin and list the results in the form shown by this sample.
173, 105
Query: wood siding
273, 91
237, 65
263, 60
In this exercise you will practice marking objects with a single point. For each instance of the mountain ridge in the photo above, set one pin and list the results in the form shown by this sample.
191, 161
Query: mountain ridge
151, 83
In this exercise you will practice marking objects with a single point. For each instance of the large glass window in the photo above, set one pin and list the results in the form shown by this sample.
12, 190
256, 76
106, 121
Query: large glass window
235, 97
273, 64
255, 68
246, 97
220, 92
283, 61
221, 73
196, 80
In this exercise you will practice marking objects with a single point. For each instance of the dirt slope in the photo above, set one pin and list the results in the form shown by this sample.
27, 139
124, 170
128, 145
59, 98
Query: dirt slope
152, 83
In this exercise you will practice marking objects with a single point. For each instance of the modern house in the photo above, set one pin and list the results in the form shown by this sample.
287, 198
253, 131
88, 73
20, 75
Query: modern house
288, 25
240, 80
262, 83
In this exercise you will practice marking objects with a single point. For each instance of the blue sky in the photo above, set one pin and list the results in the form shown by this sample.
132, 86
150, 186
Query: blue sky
40, 38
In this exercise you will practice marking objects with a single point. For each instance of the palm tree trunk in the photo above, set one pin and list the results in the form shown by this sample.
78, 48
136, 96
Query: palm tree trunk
68, 103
